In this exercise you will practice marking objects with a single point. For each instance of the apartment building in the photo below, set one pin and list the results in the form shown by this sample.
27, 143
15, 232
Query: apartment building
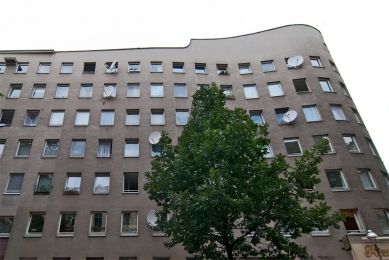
75, 127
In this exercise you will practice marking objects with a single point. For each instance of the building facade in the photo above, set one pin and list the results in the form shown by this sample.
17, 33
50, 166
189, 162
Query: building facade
75, 127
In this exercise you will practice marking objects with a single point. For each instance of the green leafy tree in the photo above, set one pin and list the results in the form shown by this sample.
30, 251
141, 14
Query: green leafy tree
224, 197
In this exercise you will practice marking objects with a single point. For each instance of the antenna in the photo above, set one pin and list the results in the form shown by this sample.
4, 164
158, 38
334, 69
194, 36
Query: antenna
290, 116
109, 91
295, 61
154, 137
152, 219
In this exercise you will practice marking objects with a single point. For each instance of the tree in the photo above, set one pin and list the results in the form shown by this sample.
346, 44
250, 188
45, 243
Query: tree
224, 197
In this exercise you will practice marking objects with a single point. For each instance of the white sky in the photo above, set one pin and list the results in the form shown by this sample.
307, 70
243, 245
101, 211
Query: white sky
356, 32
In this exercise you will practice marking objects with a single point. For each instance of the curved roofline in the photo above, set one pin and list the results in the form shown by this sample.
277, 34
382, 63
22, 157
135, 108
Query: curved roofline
147, 48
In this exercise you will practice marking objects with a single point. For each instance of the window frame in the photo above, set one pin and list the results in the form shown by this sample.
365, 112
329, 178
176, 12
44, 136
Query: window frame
38, 86
66, 234
342, 178
72, 190
30, 116
176, 90
334, 67
7, 117
385, 213
340, 113
133, 85
250, 86
2, 146
79, 123
178, 64
17, 150
155, 112
290, 140
23, 68
257, 113
102, 226
281, 92
46, 146
54, 112
153, 65
84, 86
152, 92
66, 64
181, 111
107, 114
42, 65
6, 234
264, 63
328, 86
131, 142
371, 146
101, 175
358, 221
103, 154
88, 68
62, 86
222, 69
12, 88
358, 149
331, 150
133, 112
357, 116
200, 71
122, 232
72, 155
39, 233
244, 66
47, 189
370, 177
318, 61
129, 191
299, 82
16, 192
131, 69
3, 67
318, 117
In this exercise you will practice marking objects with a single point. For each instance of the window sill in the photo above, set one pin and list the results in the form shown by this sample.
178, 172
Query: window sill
157, 124
372, 190
180, 97
76, 157
278, 96
85, 97
10, 193
88, 72
321, 235
252, 98
103, 156
246, 73
36, 97
129, 234
297, 155
269, 71
20, 72
342, 120
65, 72
131, 156
179, 72
55, 125
49, 157
319, 67
133, 125
303, 92
68, 192
29, 125
100, 193
96, 235
156, 71
1, 236
133, 71
107, 125
315, 121
130, 192
20, 157
201, 73
159, 235
223, 74
33, 235
63, 235
133, 97
43, 73
356, 234
356, 152
334, 92
81, 125
12, 97
340, 190
41, 193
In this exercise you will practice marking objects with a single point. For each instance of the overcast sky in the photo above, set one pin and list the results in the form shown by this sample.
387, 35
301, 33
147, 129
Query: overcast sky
356, 32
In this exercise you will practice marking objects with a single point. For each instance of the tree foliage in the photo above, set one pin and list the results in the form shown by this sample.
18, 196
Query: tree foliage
224, 197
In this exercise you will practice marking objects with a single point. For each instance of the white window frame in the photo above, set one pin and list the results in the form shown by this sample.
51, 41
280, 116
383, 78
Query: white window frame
76, 190
326, 85
244, 68
9, 181
122, 231
130, 191
269, 153
62, 86
2, 68
38, 87
159, 68
306, 84
340, 116
333, 66
155, 112
44, 150
201, 71
248, 94
268, 62
270, 86
2, 146
386, 214
159, 85
77, 118
176, 91
108, 70
101, 175
133, 67
29, 118
71, 149
358, 150
12, 88
222, 69
102, 224
227, 90
17, 150
371, 146
256, 113
178, 64
343, 180
132, 112
86, 86
317, 60
66, 234
291, 140
358, 220
58, 113
331, 150
318, 117
23, 67
38, 234
108, 114
89, 71
37, 189
136, 150
64, 65
12, 220
370, 177
181, 111
357, 116
135, 86
44, 65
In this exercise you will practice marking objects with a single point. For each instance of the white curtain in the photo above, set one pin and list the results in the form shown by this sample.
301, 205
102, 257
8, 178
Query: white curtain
31, 118
131, 149
104, 149
157, 119
133, 90
132, 118
107, 117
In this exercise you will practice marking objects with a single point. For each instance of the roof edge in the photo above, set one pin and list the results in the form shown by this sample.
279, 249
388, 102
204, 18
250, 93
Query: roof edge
48, 51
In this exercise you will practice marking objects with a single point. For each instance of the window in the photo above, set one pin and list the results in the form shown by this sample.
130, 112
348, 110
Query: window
38, 91
315, 61
6, 117
333, 66
180, 90
227, 90
345, 91
293, 147
326, 85
130, 182
15, 183
107, 117
101, 183
21, 68
256, 116
31, 118
311, 113
250, 91
275, 89
317, 140
2, 144
44, 68
129, 224
357, 117
62, 91
222, 69
367, 180
78, 148
386, 178
351, 143
51, 148
280, 116
244, 68
182, 117
6, 226
320, 233
133, 67
89, 67
43, 185
269, 152
105, 148
98, 223
178, 67
336, 180
383, 219
86, 91
24, 148
156, 90
157, 117
202, 85
353, 222
66, 224
369, 142
200, 68
56, 118
67, 68
133, 90
268, 66
338, 112
35, 224
73, 183
132, 117
131, 148
109, 91
82, 118
300, 85
156, 67
14, 91
2, 68
155, 150
108, 67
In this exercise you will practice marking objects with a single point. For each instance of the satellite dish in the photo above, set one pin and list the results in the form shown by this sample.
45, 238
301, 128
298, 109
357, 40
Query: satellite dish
112, 67
290, 116
151, 218
2, 125
109, 91
295, 61
154, 137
